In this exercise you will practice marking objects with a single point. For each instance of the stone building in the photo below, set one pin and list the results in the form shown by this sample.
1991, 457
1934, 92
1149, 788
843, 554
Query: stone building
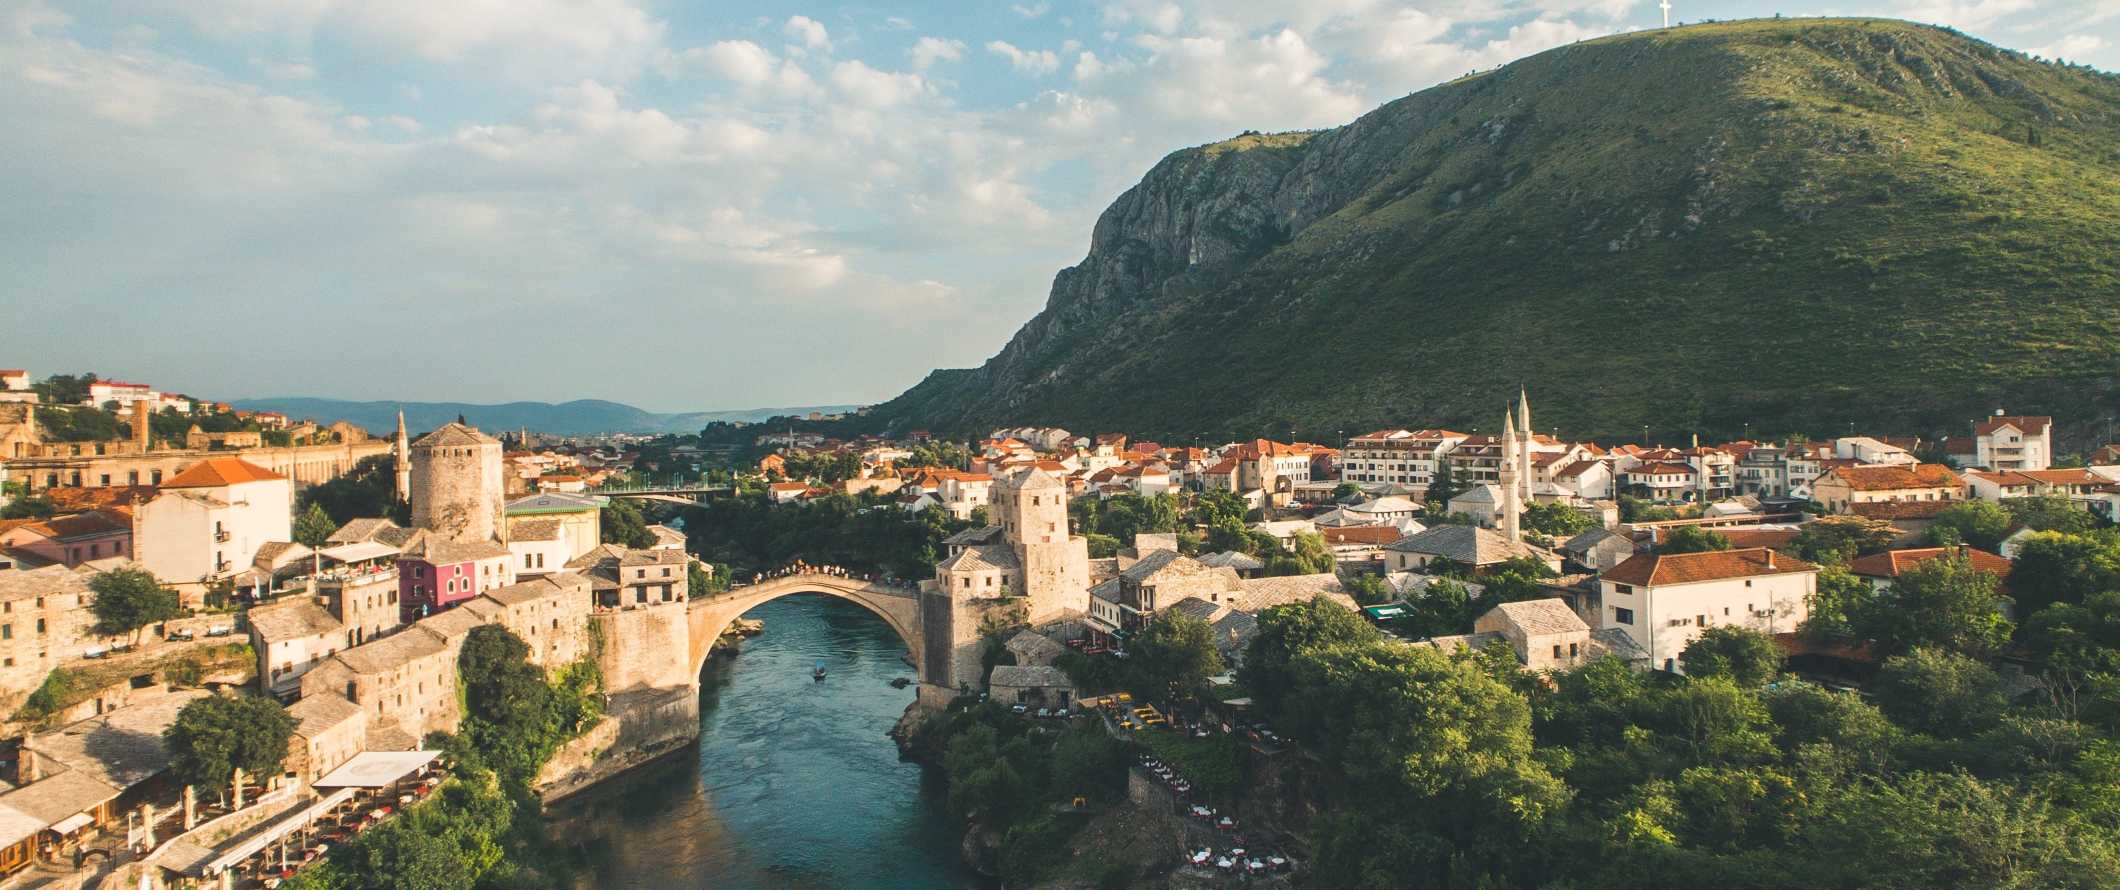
44, 622
329, 730
456, 484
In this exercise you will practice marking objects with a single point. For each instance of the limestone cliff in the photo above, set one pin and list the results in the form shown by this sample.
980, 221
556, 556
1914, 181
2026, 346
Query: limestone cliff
1781, 224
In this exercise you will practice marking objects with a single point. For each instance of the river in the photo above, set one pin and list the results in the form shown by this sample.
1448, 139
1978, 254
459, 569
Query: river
794, 783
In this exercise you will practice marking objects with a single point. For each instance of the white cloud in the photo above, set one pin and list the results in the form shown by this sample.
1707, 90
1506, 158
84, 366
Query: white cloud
928, 50
1036, 63
809, 32
286, 69
1088, 66
2070, 48
514, 38
1031, 10
740, 61
870, 88
1966, 14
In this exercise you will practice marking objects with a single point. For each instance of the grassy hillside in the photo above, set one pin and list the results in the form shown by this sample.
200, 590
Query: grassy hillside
1786, 224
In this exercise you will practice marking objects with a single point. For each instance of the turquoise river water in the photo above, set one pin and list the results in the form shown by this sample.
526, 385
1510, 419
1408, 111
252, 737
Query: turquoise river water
793, 784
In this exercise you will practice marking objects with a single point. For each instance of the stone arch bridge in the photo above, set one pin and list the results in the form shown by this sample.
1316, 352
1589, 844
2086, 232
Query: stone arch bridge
899, 607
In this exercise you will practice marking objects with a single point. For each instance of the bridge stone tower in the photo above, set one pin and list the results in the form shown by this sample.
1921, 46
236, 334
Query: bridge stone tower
1055, 564
456, 483
1025, 568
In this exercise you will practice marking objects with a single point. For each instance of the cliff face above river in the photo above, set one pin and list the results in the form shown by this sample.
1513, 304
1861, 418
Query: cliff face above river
1774, 222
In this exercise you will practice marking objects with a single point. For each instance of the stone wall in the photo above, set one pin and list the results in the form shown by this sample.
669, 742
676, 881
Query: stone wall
638, 727
456, 490
644, 647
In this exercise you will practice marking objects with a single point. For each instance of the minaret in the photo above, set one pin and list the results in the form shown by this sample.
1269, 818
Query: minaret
1523, 451
1507, 479
403, 459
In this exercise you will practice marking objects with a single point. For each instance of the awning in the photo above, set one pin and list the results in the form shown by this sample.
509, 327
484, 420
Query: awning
359, 551
375, 769
72, 823
271, 834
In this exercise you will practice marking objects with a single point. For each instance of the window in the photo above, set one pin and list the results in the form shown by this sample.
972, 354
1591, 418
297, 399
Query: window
1622, 616
1574, 649
1556, 650
40, 625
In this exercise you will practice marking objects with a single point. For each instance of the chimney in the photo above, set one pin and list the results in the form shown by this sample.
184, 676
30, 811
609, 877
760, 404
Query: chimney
1770, 557
140, 428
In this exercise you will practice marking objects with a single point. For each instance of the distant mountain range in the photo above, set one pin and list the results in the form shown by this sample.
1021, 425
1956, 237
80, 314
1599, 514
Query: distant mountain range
582, 417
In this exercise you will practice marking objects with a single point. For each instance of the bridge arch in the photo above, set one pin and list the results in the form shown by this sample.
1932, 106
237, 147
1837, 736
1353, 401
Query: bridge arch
710, 617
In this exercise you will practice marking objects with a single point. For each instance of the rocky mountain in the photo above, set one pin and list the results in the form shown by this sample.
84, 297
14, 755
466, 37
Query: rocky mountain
582, 417
1774, 225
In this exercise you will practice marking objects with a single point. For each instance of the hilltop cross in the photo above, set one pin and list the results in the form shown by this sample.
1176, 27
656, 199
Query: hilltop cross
1666, 6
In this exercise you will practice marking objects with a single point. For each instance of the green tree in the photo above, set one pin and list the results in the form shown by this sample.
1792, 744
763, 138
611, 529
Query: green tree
1346, 490
1745, 656
65, 389
1837, 539
1368, 590
127, 600
1692, 539
1838, 598
1441, 488
623, 524
313, 529
34, 506
1285, 633
1979, 523
511, 716
1307, 554
368, 490
2050, 513
1101, 546
1173, 651
1211, 507
1939, 692
1944, 602
2075, 650
1947, 830
216, 735
2061, 568
1556, 519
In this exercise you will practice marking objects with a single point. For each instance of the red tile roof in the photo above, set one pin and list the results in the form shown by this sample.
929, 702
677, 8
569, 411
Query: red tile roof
2028, 424
215, 472
1894, 477
1360, 534
1893, 563
1889, 510
1652, 569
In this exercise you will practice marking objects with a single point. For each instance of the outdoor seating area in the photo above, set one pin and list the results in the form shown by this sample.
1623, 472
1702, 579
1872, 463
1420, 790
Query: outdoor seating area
360, 795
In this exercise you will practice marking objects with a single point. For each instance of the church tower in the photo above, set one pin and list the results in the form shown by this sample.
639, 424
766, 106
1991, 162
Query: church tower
1512, 504
402, 453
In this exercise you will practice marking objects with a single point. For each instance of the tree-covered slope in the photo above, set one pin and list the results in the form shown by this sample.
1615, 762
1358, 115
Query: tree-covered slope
1786, 224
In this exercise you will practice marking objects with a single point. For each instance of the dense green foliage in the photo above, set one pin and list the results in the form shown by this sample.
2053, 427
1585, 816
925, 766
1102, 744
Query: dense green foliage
79, 424
127, 600
1006, 775
867, 534
1462, 772
1928, 214
482, 830
368, 490
513, 718
1745, 656
219, 734
621, 522
1692, 539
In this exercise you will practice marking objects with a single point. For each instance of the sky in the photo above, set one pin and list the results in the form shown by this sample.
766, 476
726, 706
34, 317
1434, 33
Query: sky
681, 206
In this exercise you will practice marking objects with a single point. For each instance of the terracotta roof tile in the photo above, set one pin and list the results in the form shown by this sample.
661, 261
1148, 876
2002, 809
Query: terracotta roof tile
1893, 563
215, 472
1653, 569
1896, 476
